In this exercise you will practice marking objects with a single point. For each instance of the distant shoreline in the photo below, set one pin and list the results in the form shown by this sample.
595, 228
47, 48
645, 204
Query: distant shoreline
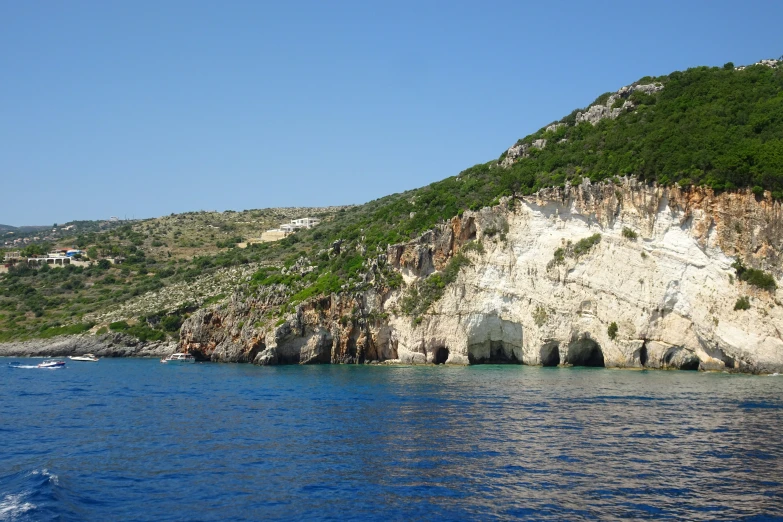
109, 345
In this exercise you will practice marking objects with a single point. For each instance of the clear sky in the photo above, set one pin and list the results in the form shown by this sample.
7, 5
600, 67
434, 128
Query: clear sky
136, 108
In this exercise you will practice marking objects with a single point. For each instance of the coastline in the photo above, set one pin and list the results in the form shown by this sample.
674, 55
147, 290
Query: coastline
108, 345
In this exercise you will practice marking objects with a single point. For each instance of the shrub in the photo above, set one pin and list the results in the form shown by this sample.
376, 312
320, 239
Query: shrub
612, 331
755, 277
584, 245
743, 303
394, 280
171, 323
574, 250
540, 315
474, 246
630, 234
119, 326
53, 331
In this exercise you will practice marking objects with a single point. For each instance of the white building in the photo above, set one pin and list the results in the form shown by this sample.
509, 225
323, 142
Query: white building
306, 222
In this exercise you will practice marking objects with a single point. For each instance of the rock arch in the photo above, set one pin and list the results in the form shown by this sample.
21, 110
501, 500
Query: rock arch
492, 340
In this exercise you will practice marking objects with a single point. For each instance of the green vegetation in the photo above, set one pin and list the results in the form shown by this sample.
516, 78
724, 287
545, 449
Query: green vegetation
421, 296
612, 331
755, 277
540, 316
584, 245
474, 246
575, 251
708, 126
743, 303
630, 234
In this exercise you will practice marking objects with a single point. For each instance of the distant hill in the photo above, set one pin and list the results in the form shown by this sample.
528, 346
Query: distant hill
23, 229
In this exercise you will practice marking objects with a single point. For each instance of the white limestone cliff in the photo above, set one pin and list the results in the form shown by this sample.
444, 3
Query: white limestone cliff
671, 291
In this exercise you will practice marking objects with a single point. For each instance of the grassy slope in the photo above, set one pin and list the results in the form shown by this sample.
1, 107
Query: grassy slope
172, 250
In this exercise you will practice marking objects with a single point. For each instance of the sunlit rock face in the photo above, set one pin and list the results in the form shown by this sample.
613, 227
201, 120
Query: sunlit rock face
670, 291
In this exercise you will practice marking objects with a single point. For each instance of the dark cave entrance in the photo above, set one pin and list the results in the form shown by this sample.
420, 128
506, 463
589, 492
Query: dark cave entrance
686, 363
643, 355
499, 353
585, 352
441, 355
550, 354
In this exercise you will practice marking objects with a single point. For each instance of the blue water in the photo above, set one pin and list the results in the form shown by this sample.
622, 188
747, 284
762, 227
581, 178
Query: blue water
137, 440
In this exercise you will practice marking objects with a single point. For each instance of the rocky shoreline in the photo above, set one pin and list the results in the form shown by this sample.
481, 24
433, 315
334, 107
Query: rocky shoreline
108, 345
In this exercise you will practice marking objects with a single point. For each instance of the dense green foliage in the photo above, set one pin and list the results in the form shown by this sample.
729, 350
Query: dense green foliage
743, 303
708, 126
755, 277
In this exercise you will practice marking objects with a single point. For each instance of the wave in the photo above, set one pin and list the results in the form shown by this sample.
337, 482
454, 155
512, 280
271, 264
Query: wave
34, 495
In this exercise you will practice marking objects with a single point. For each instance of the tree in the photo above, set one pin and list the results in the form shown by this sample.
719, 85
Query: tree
33, 250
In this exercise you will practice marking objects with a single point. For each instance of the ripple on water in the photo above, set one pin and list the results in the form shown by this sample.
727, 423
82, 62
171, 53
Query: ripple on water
216, 442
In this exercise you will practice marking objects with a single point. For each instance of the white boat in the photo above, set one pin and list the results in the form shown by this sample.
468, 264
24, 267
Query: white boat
179, 358
52, 363
87, 357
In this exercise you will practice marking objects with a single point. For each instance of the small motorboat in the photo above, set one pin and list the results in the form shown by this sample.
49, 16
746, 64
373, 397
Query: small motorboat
87, 357
179, 358
52, 363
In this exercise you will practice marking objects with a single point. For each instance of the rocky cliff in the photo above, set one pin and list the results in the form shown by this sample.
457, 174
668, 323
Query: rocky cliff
611, 274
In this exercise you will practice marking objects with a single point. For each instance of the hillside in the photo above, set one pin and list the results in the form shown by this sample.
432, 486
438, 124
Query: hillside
720, 128
191, 253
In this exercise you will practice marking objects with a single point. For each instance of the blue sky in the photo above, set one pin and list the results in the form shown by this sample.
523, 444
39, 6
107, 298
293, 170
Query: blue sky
141, 109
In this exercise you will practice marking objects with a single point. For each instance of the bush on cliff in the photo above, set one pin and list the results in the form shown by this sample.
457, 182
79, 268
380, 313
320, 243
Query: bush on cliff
612, 331
755, 277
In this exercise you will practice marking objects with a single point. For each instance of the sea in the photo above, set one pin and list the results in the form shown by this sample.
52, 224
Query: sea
133, 439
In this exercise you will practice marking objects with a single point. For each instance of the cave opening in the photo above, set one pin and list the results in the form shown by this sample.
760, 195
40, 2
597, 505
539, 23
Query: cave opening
643, 355
691, 365
492, 352
585, 352
441, 355
550, 354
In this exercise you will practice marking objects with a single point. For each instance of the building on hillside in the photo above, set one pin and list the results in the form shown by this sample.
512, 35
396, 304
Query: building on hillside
306, 222
12, 257
289, 228
54, 259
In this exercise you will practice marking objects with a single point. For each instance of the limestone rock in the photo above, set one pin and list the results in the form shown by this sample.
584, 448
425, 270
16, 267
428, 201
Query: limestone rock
671, 291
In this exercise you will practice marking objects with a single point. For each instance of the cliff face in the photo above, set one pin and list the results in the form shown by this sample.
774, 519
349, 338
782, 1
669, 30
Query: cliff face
671, 291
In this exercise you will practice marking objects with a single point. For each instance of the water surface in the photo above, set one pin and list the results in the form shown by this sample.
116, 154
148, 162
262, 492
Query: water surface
137, 440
